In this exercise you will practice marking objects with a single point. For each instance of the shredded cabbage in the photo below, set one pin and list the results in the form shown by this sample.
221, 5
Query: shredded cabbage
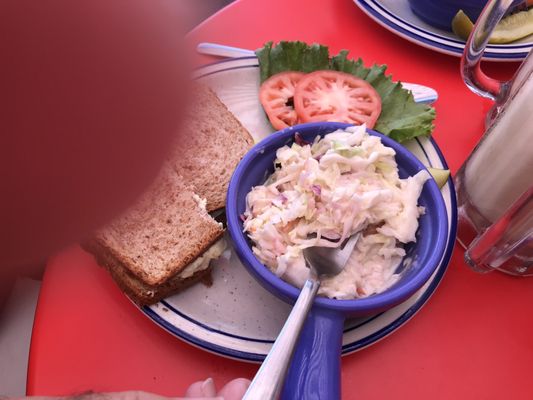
344, 183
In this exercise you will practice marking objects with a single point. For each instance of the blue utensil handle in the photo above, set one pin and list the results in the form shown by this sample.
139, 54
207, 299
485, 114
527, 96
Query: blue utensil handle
315, 373
269, 379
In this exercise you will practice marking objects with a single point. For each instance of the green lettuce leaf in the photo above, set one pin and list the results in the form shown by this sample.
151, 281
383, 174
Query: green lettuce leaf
401, 118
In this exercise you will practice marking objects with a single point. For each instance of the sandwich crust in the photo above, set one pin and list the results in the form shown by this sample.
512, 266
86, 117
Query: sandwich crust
146, 249
161, 234
138, 291
210, 147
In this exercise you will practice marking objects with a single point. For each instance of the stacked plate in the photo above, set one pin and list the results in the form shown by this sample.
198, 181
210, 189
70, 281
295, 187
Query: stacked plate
236, 317
396, 16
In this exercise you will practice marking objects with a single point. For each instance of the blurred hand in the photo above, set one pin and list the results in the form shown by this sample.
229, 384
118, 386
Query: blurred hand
233, 390
92, 93
203, 390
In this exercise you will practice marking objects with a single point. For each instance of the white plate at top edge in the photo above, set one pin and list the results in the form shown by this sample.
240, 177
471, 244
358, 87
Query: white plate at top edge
236, 317
397, 17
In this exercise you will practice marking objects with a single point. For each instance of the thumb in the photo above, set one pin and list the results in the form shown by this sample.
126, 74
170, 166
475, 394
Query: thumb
202, 389
235, 389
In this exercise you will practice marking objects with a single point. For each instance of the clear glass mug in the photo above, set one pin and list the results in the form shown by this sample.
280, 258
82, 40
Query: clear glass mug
495, 184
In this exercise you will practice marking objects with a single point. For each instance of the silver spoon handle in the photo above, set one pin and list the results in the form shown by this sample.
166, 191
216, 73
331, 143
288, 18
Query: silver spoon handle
268, 381
220, 50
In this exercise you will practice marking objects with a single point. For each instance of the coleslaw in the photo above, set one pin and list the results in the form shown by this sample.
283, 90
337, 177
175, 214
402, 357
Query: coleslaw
323, 192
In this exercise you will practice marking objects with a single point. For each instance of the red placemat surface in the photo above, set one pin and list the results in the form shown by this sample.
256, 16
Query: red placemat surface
470, 341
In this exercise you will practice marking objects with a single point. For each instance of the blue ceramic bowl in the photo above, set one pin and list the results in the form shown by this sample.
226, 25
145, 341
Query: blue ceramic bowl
326, 320
439, 13
258, 164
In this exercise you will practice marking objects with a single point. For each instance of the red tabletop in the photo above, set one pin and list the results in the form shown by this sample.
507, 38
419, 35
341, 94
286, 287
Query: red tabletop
471, 340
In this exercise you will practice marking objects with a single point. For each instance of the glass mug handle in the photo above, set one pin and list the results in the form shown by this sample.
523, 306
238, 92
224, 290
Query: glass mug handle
508, 244
473, 76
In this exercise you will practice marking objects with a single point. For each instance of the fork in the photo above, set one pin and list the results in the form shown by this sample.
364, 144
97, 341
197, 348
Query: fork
323, 262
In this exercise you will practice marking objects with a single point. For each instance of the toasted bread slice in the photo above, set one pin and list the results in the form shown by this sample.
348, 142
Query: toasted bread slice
140, 292
160, 235
210, 147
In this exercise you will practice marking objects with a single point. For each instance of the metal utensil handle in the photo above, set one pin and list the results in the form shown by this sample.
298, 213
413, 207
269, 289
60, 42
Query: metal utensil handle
220, 50
473, 76
268, 381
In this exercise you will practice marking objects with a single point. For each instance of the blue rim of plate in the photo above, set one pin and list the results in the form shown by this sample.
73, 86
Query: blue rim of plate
350, 347
435, 41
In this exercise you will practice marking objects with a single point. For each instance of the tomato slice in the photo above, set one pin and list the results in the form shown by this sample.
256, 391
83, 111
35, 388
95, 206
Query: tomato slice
336, 96
276, 95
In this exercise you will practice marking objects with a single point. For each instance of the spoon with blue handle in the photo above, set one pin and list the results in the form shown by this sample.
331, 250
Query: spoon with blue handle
421, 93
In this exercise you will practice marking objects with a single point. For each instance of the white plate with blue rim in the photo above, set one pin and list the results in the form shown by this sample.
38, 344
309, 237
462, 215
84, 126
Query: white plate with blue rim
236, 317
397, 17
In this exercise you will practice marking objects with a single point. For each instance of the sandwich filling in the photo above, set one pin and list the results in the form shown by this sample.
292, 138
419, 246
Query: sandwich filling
202, 262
